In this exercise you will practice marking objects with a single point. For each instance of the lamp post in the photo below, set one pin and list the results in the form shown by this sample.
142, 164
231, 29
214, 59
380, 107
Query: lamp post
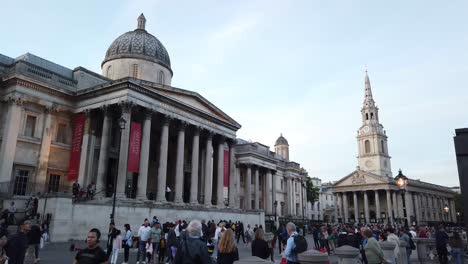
446, 210
121, 122
402, 182
275, 204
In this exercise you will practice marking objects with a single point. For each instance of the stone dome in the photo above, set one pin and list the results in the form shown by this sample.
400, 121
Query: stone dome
139, 44
281, 141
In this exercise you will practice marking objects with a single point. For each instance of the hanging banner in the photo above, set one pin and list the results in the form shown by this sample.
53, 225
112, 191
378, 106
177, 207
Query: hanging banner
134, 147
75, 152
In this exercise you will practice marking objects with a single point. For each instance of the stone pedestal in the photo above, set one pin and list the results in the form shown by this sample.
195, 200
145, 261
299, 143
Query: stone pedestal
388, 249
313, 256
402, 259
347, 255
426, 250
414, 258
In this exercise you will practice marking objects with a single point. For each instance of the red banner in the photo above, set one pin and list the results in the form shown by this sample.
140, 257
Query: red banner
75, 152
226, 168
134, 147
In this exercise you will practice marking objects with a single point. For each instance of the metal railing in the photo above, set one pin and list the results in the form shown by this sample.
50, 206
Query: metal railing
31, 189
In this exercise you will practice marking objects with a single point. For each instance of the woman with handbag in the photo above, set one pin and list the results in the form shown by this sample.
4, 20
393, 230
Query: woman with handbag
374, 253
127, 242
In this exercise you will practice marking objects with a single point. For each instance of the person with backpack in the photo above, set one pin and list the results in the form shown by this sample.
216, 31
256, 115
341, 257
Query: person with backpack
406, 236
295, 244
441, 239
192, 250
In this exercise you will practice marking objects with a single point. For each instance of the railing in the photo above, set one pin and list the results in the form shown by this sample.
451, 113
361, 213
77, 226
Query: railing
31, 189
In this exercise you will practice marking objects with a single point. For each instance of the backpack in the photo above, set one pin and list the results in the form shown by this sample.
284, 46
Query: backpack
411, 243
300, 244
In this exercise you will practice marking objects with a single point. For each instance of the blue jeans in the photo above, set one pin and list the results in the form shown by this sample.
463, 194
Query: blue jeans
457, 254
408, 254
141, 250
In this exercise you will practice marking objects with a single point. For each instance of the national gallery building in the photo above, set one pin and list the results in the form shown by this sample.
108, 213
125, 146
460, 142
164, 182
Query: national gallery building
165, 151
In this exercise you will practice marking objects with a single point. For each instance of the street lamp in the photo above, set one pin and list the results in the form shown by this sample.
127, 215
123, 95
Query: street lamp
121, 123
402, 182
446, 210
275, 204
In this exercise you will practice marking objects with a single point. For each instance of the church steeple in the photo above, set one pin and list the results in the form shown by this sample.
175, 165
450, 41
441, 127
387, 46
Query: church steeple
368, 99
370, 112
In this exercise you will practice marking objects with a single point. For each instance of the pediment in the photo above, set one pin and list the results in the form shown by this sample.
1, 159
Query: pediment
359, 177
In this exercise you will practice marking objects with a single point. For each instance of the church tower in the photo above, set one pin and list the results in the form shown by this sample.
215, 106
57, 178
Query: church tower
372, 140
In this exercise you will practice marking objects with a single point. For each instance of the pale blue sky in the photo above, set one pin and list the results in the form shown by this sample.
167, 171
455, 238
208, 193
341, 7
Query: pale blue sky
291, 67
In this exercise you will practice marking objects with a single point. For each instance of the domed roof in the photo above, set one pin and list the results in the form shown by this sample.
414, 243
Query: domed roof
281, 141
139, 44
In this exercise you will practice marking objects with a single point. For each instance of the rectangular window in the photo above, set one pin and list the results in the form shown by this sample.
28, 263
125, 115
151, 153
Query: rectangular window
21, 182
54, 183
281, 185
30, 126
62, 135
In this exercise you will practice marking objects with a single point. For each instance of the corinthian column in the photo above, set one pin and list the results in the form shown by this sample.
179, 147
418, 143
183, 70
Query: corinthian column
232, 177
195, 160
103, 152
45, 149
220, 182
162, 170
84, 149
144, 160
248, 185
123, 156
179, 184
268, 204
345, 207
389, 207
10, 137
257, 189
366, 207
356, 207
208, 169
377, 205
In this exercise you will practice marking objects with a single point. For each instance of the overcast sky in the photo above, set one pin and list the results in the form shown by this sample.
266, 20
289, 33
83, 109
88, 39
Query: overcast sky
291, 67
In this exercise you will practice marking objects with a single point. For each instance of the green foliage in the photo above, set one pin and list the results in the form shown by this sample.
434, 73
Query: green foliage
312, 191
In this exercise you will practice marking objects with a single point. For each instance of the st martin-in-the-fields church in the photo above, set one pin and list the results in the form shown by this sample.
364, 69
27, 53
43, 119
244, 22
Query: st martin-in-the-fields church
369, 194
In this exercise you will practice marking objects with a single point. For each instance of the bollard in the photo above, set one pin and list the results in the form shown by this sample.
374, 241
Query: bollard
313, 256
388, 249
402, 259
347, 255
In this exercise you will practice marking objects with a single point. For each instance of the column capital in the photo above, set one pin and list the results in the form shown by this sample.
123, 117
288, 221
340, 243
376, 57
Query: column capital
19, 101
148, 113
182, 125
209, 134
197, 130
50, 109
166, 120
87, 112
126, 106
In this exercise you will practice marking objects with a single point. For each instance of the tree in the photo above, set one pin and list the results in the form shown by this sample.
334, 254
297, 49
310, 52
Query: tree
312, 191
458, 203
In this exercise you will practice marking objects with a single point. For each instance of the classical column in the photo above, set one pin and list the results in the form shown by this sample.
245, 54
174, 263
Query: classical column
409, 207
273, 190
378, 213
345, 208
289, 195
123, 156
335, 203
268, 203
232, 193
356, 207
248, 185
103, 152
389, 208
195, 160
366, 207
396, 213
89, 177
417, 201
179, 182
220, 166
162, 169
208, 169
257, 189
400, 204
237, 177
453, 210
144, 157
9, 139
84, 149
43, 160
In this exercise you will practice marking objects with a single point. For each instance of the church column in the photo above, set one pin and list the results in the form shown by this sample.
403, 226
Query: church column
273, 191
417, 201
123, 155
366, 207
345, 207
268, 201
45, 150
162, 169
237, 187
10, 138
232, 176
248, 185
179, 182
389, 208
409, 207
288, 197
103, 152
257, 190
335, 204
208, 169
195, 160
144, 159
453, 211
220, 182
84, 148
378, 213
400, 204
356, 207
396, 213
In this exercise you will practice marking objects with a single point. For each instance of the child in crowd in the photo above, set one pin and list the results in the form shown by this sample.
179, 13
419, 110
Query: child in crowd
149, 250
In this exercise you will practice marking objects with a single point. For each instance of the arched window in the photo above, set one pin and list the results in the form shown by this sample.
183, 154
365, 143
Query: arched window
161, 77
367, 116
135, 71
382, 145
367, 146
371, 116
109, 72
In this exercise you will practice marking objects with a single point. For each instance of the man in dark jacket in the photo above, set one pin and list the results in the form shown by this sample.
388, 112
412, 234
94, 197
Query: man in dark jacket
191, 248
17, 244
34, 239
441, 239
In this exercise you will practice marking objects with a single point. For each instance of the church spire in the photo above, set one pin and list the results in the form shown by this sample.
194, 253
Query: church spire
141, 22
368, 99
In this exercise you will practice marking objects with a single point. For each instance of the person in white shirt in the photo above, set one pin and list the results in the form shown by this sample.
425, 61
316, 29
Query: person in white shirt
412, 232
144, 234
391, 237
176, 229
216, 238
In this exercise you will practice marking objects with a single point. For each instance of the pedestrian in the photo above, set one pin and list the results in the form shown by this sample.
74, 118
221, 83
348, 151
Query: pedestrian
17, 245
110, 238
291, 256
149, 250
34, 240
92, 254
249, 235
75, 189
3, 256
259, 245
116, 246
441, 239
391, 237
227, 249
156, 234
216, 238
11, 214
457, 247
127, 242
162, 249
406, 236
316, 236
374, 253
192, 249
144, 235
171, 245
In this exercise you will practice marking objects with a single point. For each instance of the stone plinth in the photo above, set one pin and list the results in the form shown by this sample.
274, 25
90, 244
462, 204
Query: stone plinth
251, 260
347, 255
388, 249
426, 250
313, 256
403, 259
